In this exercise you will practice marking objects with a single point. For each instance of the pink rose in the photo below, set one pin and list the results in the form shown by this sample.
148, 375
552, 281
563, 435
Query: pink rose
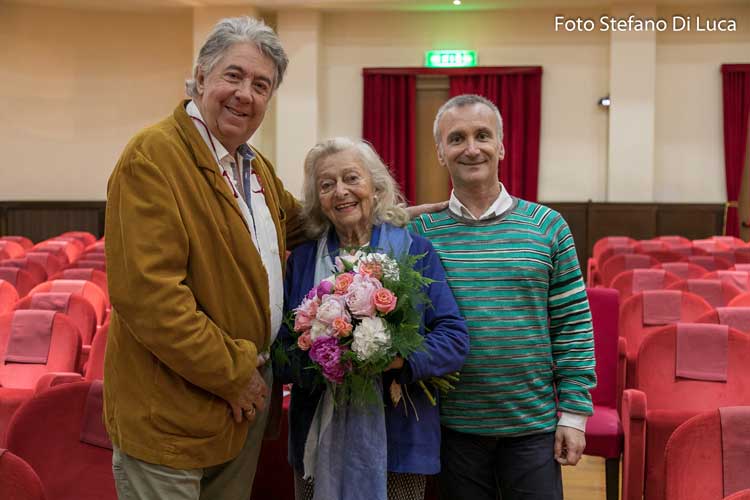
332, 307
384, 300
341, 286
308, 307
304, 341
359, 299
341, 327
302, 322
373, 269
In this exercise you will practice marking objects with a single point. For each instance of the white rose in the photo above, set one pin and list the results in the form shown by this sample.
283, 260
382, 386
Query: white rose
319, 329
370, 338
387, 264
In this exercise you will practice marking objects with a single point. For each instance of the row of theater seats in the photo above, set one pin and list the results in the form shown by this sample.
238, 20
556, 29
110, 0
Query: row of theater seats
667, 360
54, 308
53, 335
614, 254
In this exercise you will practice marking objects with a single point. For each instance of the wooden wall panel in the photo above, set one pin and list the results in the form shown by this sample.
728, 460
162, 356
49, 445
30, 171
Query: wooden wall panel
576, 215
41, 220
588, 221
591, 221
691, 221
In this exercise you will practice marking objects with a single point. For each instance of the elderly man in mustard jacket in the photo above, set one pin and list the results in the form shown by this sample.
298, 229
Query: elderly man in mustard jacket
196, 231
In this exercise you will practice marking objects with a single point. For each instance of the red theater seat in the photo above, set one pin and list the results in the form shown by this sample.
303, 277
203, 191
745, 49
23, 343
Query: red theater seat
717, 292
649, 311
11, 250
21, 240
99, 265
21, 280
87, 289
709, 262
740, 495
670, 390
603, 428
685, 270
734, 317
18, 481
639, 280
701, 460
84, 237
71, 247
78, 309
674, 240
740, 279
96, 247
36, 270
8, 296
99, 278
619, 263
711, 245
32, 343
730, 241
50, 262
73, 457
622, 244
56, 250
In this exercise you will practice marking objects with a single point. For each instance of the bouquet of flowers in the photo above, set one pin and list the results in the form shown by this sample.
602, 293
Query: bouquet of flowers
353, 324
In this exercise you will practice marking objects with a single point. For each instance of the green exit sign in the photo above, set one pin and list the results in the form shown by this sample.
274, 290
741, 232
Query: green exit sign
450, 58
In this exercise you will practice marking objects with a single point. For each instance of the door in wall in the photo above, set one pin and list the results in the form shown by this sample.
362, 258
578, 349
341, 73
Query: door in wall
433, 182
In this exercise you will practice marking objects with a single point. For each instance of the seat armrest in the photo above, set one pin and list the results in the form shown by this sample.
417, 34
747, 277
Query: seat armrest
634, 408
622, 371
52, 379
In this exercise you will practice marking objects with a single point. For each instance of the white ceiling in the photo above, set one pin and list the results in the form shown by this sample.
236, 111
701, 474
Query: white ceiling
405, 5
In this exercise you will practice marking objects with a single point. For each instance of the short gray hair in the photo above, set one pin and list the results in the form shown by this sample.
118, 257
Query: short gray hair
466, 100
388, 202
230, 31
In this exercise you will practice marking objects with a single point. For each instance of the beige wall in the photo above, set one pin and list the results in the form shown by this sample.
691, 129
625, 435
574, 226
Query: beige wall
574, 130
689, 123
75, 86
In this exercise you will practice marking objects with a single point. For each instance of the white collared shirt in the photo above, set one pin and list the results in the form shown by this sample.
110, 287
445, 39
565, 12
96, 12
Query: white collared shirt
257, 218
498, 207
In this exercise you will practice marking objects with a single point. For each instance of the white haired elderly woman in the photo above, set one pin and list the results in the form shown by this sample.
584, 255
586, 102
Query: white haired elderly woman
196, 229
351, 201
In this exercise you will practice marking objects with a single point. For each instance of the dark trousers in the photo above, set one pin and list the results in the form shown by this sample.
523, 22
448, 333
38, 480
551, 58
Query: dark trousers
478, 467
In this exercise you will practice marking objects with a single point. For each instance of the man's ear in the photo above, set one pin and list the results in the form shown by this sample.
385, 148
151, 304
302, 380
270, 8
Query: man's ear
200, 80
502, 151
440, 155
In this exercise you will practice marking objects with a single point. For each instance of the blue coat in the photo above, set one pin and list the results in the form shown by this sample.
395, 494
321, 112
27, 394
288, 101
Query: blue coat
413, 446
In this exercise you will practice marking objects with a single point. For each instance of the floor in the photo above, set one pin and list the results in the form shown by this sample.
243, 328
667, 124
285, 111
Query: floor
585, 481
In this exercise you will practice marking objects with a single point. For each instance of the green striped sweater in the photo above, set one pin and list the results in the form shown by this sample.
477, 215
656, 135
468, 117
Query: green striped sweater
518, 284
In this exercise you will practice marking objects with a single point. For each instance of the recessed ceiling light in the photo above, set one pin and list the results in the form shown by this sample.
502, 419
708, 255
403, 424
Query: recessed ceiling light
456, 2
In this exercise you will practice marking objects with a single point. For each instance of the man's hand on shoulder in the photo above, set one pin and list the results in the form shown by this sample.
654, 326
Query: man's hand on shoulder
426, 208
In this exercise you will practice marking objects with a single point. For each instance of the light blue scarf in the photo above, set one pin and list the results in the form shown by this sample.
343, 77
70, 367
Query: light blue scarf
346, 449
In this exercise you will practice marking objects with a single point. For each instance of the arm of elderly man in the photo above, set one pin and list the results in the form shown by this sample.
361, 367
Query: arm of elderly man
151, 289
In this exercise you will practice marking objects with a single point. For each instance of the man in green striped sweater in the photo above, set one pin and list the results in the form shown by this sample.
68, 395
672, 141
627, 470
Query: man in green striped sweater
520, 409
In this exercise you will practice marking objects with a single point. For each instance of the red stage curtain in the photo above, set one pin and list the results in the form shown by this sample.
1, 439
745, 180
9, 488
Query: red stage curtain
389, 122
736, 90
518, 95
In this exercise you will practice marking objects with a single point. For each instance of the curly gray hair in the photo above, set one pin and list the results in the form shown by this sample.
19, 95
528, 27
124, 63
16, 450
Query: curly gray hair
230, 31
388, 201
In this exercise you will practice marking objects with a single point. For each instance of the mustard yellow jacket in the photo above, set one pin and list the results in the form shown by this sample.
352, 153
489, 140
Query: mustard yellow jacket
190, 301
